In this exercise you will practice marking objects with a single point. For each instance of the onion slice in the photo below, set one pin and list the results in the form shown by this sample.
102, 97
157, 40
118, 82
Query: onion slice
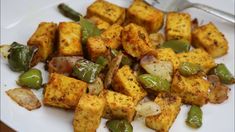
25, 98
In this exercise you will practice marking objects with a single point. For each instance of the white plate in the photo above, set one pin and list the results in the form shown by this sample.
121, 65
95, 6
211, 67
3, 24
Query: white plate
19, 20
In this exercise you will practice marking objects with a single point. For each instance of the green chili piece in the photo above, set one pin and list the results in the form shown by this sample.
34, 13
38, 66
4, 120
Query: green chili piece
155, 83
31, 79
69, 12
188, 69
89, 29
194, 118
119, 126
114, 52
20, 57
126, 60
86, 70
223, 73
177, 45
102, 61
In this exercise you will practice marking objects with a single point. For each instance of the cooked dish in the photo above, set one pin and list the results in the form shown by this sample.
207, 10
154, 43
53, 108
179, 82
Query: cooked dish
116, 63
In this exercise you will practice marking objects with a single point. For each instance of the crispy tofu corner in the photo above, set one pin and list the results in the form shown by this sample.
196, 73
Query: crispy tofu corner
88, 113
193, 90
62, 91
170, 108
144, 15
107, 11
209, 38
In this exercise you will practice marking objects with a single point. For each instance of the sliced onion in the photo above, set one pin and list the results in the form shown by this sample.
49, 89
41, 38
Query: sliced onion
149, 108
96, 87
62, 65
25, 98
218, 92
4, 50
113, 67
156, 67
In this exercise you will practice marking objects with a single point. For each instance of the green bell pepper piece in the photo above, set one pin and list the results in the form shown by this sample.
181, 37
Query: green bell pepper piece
102, 61
126, 60
31, 79
155, 83
86, 70
177, 45
188, 69
69, 12
194, 118
119, 126
20, 57
89, 29
223, 73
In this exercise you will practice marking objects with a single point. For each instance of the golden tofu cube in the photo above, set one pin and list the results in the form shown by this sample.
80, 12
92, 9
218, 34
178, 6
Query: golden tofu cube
44, 39
88, 113
70, 39
112, 36
96, 47
145, 15
126, 83
209, 38
100, 24
192, 89
135, 40
118, 106
178, 26
107, 11
167, 54
170, 107
62, 91
198, 56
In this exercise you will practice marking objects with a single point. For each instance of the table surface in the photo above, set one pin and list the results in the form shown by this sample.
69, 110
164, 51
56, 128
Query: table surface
5, 128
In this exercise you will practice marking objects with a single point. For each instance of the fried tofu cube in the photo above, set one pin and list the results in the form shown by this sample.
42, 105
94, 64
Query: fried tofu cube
112, 36
70, 39
145, 15
193, 89
107, 11
126, 83
178, 26
88, 113
209, 38
198, 56
44, 39
118, 106
64, 92
100, 24
167, 54
170, 107
135, 40
96, 47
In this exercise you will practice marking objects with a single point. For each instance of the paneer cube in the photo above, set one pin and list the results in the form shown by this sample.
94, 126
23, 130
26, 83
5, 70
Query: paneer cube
107, 11
118, 106
170, 107
62, 91
69, 39
135, 40
96, 47
167, 54
198, 56
193, 89
112, 36
100, 24
209, 38
44, 39
178, 26
145, 15
125, 82
88, 113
